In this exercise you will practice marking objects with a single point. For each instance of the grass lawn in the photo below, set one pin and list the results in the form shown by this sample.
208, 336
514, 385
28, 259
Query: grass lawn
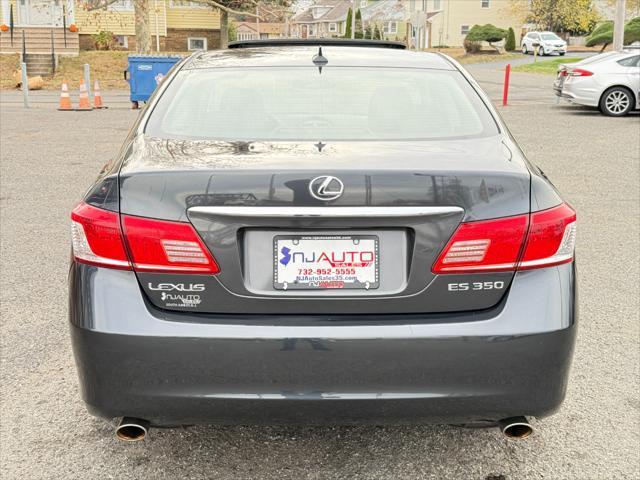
8, 65
106, 67
484, 56
545, 67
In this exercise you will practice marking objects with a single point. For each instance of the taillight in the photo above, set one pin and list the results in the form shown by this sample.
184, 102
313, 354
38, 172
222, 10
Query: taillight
551, 239
580, 72
96, 237
153, 245
167, 247
500, 244
489, 245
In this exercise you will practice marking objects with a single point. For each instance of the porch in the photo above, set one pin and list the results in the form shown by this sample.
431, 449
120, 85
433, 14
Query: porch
44, 24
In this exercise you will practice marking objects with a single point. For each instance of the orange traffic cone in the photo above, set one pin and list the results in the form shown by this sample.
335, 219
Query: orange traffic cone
97, 96
84, 103
65, 99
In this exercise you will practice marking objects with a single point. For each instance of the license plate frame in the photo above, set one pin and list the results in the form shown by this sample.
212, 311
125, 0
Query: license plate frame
340, 277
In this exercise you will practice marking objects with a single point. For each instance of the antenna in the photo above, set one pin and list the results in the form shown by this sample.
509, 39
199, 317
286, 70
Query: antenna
320, 60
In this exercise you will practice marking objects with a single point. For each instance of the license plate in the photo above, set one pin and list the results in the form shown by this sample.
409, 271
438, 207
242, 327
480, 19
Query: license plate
318, 262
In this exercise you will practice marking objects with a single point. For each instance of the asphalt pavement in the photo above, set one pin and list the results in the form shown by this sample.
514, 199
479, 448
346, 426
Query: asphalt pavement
49, 158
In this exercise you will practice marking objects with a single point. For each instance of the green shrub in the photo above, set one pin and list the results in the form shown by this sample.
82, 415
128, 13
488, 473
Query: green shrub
510, 43
471, 46
105, 41
603, 33
232, 32
485, 33
377, 34
632, 31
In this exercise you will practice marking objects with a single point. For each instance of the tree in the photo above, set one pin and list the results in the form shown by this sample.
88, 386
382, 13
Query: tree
486, 33
359, 32
632, 31
226, 7
233, 32
245, 8
347, 28
573, 16
510, 43
141, 20
377, 34
603, 33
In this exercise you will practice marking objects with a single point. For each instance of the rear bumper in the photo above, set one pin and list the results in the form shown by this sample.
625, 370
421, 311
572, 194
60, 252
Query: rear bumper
581, 93
136, 361
549, 50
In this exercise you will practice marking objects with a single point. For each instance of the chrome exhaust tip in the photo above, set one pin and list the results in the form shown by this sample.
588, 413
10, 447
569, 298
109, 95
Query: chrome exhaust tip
516, 427
132, 429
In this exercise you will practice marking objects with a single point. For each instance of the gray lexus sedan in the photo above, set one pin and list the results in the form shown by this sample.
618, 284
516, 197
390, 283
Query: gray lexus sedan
321, 232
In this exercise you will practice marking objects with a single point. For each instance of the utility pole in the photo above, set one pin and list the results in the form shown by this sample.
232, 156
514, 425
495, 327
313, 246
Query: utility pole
618, 26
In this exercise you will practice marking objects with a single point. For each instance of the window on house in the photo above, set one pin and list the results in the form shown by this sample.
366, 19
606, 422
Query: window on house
390, 27
464, 29
437, 4
121, 5
333, 27
123, 41
247, 36
185, 4
312, 30
485, 3
197, 43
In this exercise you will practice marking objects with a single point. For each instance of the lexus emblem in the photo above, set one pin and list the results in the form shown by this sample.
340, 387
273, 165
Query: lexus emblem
326, 188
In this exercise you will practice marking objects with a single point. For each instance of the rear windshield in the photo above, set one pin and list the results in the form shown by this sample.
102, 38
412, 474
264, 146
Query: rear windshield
304, 104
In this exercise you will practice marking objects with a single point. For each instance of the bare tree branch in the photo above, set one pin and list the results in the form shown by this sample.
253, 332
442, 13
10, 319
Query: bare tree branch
91, 5
213, 3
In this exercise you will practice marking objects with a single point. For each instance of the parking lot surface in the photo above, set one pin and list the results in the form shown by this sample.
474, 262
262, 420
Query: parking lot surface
48, 158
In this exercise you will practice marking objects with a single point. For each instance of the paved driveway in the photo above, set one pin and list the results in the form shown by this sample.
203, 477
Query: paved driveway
48, 158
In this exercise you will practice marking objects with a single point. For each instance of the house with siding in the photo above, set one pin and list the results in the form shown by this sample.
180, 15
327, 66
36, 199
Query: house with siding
324, 19
419, 23
394, 18
259, 30
175, 25
456, 18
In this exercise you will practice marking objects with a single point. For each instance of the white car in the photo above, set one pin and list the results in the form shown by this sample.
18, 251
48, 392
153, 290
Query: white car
610, 81
545, 43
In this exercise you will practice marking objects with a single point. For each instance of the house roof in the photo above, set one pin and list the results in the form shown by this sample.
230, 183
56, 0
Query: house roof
387, 10
337, 12
263, 27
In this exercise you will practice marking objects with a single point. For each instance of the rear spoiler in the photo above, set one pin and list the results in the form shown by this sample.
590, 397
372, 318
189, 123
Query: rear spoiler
321, 42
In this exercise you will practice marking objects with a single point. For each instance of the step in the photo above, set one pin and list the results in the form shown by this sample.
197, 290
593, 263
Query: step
66, 52
44, 41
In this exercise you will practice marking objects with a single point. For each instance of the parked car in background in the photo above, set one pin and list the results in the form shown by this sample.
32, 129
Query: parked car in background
546, 43
610, 81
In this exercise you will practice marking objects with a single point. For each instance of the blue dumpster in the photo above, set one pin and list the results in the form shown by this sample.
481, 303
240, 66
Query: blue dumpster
145, 73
